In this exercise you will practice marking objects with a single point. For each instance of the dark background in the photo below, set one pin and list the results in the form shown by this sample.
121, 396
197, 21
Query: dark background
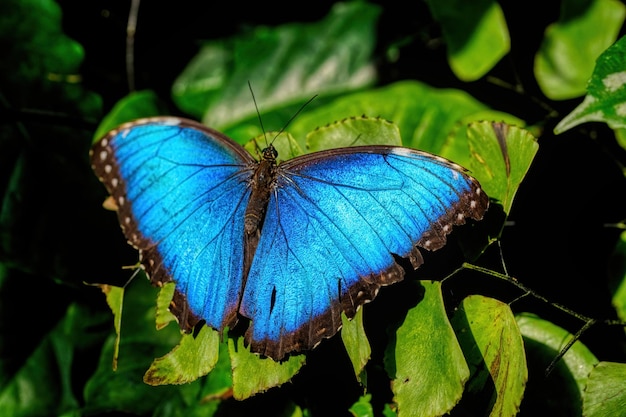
556, 242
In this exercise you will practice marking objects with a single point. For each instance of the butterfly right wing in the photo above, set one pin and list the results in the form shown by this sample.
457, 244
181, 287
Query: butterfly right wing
181, 190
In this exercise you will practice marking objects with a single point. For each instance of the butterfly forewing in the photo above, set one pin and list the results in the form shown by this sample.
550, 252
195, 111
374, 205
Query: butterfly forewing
181, 192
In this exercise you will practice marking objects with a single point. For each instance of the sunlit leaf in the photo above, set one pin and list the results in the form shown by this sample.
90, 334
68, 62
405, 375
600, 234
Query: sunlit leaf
195, 356
115, 300
545, 340
425, 115
356, 342
476, 35
426, 363
163, 315
501, 157
570, 47
605, 394
253, 374
363, 407
329, 56
354, 131
606, 93
494, 349
136, 105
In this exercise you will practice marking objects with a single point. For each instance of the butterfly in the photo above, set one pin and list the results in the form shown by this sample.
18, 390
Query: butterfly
283, 247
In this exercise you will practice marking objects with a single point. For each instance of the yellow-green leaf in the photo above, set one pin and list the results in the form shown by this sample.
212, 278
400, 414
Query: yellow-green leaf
493, 346
253, 374
195, 356
501, 157
426, 362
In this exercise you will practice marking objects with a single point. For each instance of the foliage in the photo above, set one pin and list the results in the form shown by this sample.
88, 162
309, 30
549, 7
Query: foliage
445, 340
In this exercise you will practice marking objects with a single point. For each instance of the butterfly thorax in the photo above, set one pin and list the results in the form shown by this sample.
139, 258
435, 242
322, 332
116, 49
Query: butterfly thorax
261, 183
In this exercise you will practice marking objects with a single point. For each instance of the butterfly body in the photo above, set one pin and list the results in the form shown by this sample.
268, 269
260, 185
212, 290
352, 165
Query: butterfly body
289, 246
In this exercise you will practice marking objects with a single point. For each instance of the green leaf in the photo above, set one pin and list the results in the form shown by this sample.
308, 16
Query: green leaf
135, 105
163, 315
195, 356
426, 362
424, 115
285, 65
354, 131
253, 374
543, 341
43, 385
494, 350
118, 390
606, 93
356, 342
115, 300
570, 46
284, 143
476, 35
501, 157
605, 394
363, 407
618, 270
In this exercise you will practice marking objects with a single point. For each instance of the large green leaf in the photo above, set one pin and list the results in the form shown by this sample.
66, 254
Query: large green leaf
543, 341
494, 350
426, 116
425, 361
605, 394
476, 35
500, 158
285, 65
565, 59
606, 93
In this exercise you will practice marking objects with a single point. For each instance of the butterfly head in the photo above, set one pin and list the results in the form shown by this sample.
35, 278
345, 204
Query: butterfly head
270, 153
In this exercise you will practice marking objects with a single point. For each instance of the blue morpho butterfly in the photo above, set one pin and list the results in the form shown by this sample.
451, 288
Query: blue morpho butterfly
288, 246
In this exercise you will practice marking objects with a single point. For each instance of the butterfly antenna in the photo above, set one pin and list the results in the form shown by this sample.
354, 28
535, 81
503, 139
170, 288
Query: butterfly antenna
294, 116
258, 113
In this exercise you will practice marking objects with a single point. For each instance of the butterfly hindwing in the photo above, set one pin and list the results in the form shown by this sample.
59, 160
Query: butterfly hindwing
181, 191
330, 231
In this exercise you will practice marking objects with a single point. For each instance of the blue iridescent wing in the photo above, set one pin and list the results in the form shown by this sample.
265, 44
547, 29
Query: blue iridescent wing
181, 190
331, 227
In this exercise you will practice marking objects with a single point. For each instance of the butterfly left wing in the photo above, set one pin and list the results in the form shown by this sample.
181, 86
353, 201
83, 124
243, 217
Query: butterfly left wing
331, 229
181, 191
